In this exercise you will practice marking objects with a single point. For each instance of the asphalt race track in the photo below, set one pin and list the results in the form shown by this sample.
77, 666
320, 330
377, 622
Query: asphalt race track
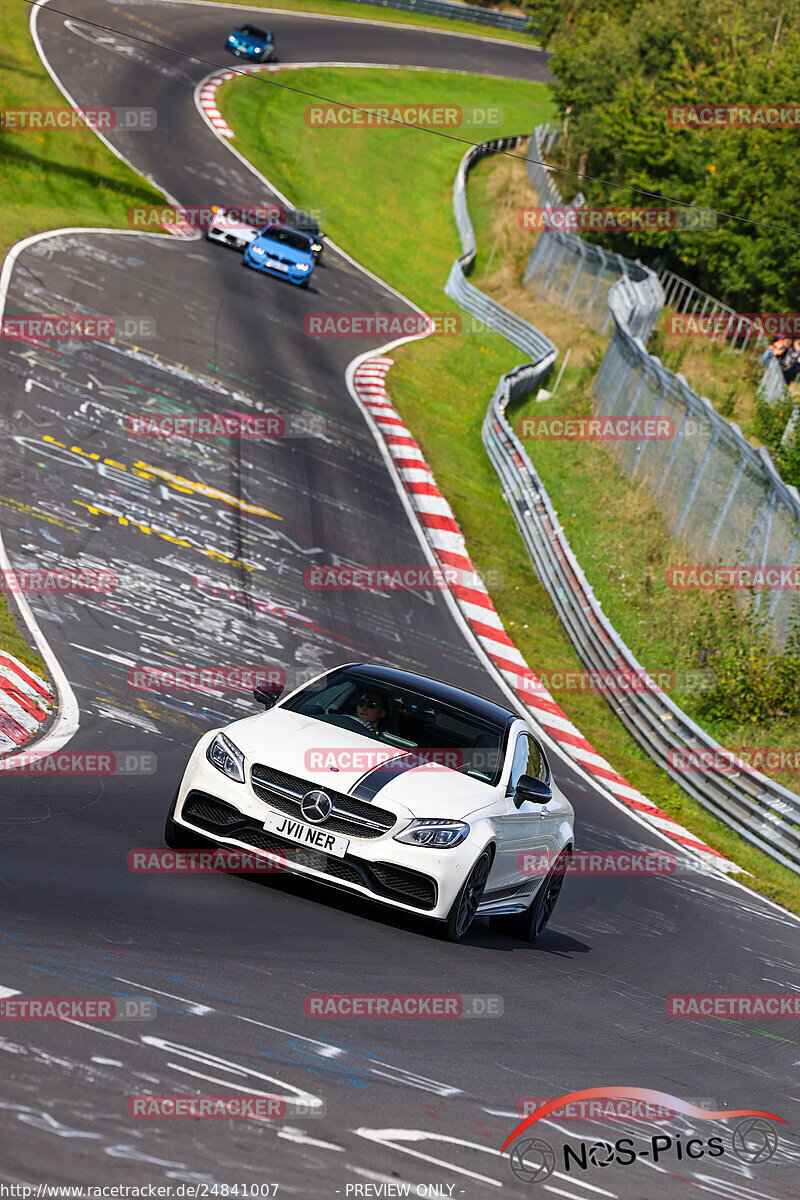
209, 544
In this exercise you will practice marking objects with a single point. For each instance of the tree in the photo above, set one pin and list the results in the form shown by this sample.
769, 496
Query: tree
620, 68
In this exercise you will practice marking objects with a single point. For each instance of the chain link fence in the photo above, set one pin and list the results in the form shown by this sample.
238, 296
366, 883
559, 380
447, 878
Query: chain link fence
723, 501
762, 811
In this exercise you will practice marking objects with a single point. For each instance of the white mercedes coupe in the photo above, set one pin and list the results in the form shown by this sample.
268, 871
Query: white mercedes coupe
410, 792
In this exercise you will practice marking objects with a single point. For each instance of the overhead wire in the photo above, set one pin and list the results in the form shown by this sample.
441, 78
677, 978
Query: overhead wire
263, 78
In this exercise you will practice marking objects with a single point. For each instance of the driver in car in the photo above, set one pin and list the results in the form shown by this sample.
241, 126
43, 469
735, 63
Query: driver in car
371, 710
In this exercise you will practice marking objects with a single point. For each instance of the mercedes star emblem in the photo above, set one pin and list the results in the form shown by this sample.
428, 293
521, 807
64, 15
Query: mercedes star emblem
316, 807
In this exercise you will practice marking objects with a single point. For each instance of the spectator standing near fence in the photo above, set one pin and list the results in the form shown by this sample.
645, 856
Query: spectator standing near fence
790, 361
776, 349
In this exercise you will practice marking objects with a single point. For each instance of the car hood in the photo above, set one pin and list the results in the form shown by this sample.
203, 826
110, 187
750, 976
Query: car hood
283, 250
307, 748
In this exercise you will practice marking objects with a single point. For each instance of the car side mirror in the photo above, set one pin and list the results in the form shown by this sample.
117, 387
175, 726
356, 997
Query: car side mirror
266, 697
533, 790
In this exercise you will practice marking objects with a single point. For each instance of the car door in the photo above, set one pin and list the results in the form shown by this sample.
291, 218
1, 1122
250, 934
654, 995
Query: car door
527, 831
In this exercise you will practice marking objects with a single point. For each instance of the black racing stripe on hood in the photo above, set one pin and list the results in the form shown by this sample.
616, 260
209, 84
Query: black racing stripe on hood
370, 784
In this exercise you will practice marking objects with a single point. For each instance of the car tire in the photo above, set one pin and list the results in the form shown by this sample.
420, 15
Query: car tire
305, 284
175, 835
465, 905
532, 923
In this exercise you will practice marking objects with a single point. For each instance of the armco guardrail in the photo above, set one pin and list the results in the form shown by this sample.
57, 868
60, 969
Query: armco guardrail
763, 812
457, 12
540, 348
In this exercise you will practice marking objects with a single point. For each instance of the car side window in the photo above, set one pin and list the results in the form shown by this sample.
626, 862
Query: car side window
537, 763
528, 759
519, 764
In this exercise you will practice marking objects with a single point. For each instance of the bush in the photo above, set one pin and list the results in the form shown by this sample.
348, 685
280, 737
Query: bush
770, 423
753, 681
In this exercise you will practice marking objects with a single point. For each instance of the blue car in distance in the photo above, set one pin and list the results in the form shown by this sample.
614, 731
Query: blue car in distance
251, 42
284, 252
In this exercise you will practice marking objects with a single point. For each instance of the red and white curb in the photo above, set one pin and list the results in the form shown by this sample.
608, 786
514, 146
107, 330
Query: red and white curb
207, 95
447, 543
25, 702
179, 228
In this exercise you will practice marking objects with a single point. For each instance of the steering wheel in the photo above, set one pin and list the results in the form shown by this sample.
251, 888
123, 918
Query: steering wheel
346, 721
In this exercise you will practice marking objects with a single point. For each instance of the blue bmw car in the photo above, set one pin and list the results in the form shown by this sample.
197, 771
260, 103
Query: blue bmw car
251, 42
282, 251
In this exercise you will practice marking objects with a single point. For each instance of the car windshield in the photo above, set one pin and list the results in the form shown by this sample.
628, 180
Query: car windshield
289, 237
254, 31
406, 720
306, 223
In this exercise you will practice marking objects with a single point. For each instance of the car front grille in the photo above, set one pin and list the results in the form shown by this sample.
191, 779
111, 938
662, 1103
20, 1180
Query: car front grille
412, 885
210, 810
276, 257
349, 816
384, 879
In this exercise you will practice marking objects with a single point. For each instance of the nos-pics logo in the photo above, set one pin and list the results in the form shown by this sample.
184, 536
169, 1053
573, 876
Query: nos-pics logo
753, 1139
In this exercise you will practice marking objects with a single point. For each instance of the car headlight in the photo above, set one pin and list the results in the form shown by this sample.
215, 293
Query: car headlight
257, 249
301, 266
231, 38
226, 757
440, 835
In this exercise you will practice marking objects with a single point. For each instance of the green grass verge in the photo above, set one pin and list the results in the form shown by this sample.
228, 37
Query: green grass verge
376, 184
49, 179
387, 196
394, 16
